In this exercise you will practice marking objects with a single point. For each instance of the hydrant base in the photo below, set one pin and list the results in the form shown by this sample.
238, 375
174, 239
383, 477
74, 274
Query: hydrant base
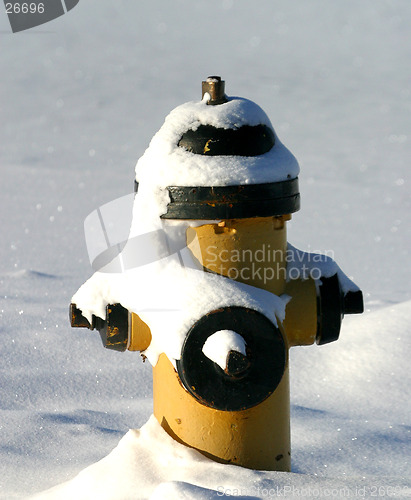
256, 438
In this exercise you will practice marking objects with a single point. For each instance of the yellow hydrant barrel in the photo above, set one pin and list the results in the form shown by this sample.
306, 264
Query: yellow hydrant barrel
253, 251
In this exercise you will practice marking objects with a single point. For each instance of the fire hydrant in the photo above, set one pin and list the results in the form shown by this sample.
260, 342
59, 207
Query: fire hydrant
236, 410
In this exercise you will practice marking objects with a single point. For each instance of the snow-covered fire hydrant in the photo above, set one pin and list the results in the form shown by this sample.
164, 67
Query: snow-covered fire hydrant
220, 296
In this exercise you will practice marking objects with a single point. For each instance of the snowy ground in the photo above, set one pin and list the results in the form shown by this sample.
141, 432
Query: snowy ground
80, 98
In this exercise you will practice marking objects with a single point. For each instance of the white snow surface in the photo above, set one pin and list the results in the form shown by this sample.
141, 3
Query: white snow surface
351, 441
218, 345
81, 98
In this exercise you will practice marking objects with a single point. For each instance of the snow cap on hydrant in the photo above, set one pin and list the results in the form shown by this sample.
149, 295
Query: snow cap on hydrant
217, 314
220, 161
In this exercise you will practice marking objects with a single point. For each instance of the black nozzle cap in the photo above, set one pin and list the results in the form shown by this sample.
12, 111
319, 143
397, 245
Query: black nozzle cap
250, 379
114, 329
77, 320
353, 302
333, 304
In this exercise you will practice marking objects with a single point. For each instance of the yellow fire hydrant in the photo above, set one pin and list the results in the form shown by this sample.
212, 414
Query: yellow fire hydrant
237, 410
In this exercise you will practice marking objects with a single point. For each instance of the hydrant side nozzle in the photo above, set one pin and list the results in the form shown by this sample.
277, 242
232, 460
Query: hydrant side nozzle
333, 304
77, 320
301, 315
330, 309
120, 330
114, 329
353, 302
139, 334
215, 87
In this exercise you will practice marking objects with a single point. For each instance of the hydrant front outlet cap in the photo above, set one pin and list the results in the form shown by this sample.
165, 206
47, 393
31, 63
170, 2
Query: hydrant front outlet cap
247, 381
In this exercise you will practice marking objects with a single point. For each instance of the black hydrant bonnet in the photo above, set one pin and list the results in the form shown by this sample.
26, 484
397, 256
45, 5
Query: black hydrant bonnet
234, 185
